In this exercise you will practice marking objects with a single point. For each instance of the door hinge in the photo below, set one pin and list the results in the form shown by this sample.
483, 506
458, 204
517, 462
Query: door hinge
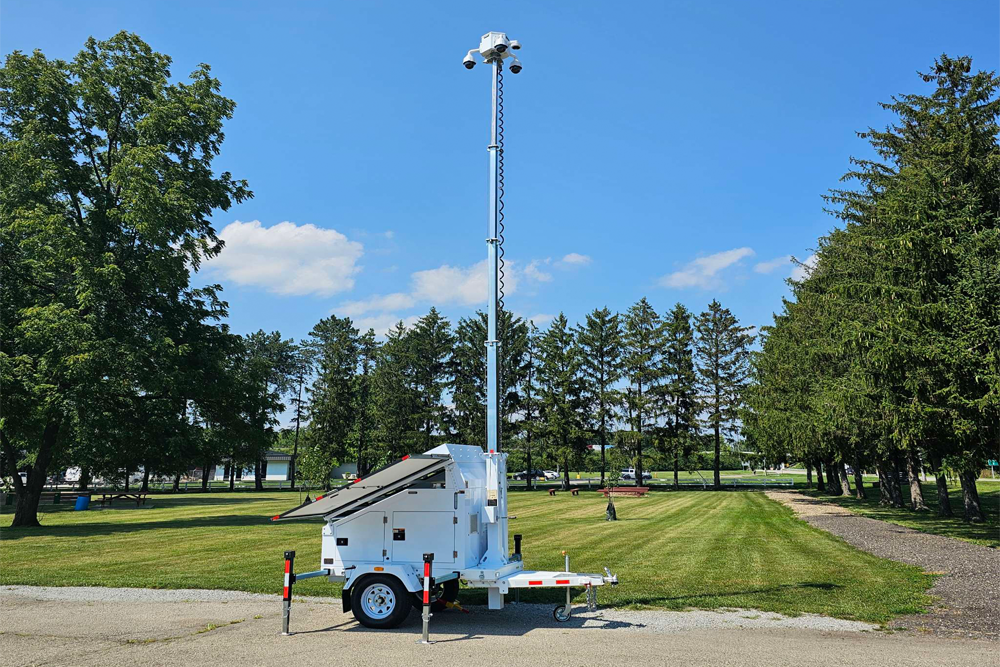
383, 553
385, 519
454, 554
454, 519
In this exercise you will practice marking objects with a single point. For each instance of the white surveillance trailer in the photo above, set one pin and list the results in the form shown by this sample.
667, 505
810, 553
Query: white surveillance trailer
450, 502
425, 523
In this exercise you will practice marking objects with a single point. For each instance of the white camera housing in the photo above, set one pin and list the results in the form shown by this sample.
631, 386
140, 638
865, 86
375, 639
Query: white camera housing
493, 43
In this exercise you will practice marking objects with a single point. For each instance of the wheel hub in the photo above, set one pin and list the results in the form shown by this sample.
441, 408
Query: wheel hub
379, 600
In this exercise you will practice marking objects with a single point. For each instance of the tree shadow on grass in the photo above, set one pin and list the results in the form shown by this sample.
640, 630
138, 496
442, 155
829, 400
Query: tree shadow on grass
101, 528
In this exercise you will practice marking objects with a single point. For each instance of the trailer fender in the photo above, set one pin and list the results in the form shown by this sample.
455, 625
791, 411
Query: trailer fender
345, 597
407, 574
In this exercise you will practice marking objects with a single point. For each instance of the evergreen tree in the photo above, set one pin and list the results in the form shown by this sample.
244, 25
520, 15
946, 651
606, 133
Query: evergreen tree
396, 401
560, 396
361, 439
643, 347
723, 354
432, 342
600, 342
680, 391
334, 344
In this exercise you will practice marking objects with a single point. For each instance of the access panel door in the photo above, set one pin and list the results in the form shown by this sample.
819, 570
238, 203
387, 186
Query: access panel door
360, 537
417, 533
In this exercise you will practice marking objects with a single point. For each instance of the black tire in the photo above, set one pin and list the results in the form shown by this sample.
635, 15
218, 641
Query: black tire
379, 601
448, 591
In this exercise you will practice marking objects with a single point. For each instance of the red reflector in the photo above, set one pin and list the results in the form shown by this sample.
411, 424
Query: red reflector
405, 457
491, 451
562, 581
356, 481
318, 498
275, 517
534, 583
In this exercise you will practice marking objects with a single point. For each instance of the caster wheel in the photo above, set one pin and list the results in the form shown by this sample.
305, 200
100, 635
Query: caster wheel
560, 613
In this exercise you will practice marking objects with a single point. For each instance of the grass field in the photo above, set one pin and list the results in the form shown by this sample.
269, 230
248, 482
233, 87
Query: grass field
987, 533
670, 550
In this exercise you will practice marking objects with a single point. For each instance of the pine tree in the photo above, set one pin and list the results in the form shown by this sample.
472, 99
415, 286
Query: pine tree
361, 436
643, 347
396, 401
334, 345
561, 394
723, 354
680, 392
600, 342
431, 341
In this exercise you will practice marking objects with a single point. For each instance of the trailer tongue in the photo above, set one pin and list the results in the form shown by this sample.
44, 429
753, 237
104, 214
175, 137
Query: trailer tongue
410, 532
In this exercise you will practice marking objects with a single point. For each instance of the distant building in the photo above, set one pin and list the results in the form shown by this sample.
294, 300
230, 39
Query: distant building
274, 467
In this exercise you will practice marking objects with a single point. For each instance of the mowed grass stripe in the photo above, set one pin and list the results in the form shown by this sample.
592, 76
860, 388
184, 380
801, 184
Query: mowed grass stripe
672, 550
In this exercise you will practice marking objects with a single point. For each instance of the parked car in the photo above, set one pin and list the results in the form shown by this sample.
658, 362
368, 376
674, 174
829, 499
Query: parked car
523, 475
630, 474
550, 474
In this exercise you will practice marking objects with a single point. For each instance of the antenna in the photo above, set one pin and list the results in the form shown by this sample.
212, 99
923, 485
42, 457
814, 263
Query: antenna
494, 47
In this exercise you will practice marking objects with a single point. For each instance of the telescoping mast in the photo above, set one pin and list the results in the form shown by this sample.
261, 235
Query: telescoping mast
408, 534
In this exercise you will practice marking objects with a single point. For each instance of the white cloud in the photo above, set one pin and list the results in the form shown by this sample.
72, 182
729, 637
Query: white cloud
383, 322
802, 271
384, 304
541, 319
533, 272
772, 265
576, 259
703, 272
288, 258
454, 284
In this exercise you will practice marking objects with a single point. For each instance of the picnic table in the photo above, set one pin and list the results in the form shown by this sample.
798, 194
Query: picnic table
138, 497
634, 491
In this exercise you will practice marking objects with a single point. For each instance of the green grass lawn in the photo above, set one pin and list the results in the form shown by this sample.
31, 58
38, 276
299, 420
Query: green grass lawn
670, 550
987, 533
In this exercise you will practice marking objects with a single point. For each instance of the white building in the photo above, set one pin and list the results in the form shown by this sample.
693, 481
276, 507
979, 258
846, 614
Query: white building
275, 467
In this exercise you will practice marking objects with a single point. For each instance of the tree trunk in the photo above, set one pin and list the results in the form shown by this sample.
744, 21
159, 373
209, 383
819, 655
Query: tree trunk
177, 483
565, 475
258, 483
604, 440
30, 494
718, 456
145, 479
917, 503
205, 472
859, 480
845, 482
677, 469
232, 474
895, 486
529, 477
944, 502
820, 486
970, 497
610, 514
84, 479
884, 492
834, 487
809, 476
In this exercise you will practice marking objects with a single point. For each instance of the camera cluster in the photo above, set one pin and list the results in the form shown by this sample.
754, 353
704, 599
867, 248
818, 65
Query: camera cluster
495, 46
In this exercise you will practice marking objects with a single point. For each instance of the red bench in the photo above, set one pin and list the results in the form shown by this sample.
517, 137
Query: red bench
632, 491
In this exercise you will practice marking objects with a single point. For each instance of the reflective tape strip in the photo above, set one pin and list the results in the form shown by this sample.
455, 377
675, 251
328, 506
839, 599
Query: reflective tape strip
287, 579
534, 583
285, 593
288, 567
427, 597
562, 581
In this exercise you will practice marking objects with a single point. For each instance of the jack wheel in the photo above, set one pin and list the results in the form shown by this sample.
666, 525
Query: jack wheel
560, 613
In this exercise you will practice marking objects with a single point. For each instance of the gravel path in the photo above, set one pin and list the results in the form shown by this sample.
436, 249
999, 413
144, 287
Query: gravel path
141, 627
968, 590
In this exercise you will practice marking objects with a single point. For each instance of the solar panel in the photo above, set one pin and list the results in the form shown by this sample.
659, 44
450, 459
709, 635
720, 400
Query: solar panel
392, 478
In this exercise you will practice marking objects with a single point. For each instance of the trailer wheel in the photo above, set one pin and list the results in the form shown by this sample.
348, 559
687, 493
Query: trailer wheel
379, 601
446, 592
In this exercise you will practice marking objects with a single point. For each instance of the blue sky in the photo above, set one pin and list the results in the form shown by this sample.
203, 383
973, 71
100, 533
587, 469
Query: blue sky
676, 150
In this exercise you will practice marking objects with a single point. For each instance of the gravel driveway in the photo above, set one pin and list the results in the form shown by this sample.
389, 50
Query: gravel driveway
140, 627
968, 590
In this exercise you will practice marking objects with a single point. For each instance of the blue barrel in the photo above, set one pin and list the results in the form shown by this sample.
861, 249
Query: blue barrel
82, 502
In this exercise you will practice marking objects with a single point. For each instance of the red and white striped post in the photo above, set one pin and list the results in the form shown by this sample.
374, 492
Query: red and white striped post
286, 604
426, 616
